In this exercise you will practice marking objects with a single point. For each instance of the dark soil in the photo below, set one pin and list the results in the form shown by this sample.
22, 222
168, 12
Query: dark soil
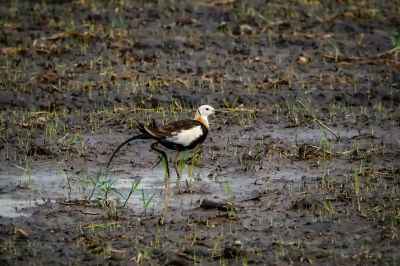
303, 167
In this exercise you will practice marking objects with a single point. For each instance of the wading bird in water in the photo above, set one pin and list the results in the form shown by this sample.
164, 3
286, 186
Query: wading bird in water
180, 135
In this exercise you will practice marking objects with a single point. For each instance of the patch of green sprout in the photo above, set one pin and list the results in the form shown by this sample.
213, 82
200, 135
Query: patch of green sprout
146, 202
182, 162
357, 185
133, 188
230, 202
50, 129
329, 207
230, 104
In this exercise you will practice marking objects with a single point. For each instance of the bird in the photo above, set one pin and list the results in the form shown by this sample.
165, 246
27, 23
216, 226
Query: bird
181, 135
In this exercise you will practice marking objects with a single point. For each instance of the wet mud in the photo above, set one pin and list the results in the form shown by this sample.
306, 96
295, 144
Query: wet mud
302, 167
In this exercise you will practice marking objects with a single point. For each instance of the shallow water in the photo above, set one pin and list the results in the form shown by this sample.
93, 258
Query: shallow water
23, 189
15, 207
47, 181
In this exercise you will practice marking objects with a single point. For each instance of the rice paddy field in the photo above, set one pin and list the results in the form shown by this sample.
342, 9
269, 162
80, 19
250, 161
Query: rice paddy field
301, 168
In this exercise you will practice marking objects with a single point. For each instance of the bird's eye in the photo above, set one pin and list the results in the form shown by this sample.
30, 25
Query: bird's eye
207, 109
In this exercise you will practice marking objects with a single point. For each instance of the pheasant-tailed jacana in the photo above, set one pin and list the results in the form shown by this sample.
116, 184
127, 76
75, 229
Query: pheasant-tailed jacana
180, 135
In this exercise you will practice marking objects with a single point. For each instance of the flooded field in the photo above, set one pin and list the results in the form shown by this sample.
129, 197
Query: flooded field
302, 167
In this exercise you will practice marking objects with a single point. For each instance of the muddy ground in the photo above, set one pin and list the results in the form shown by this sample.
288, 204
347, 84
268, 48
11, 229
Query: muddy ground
303, 166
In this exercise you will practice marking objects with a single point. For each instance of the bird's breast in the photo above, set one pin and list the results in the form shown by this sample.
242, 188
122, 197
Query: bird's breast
187, 136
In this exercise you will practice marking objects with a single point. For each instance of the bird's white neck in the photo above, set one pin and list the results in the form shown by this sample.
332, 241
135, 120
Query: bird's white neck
202, 119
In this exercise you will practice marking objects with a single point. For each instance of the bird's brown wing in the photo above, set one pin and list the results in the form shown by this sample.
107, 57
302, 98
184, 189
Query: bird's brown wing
177, 126
169, 129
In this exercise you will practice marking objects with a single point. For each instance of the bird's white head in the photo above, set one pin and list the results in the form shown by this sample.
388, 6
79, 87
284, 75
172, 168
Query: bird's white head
206, 110
202, 114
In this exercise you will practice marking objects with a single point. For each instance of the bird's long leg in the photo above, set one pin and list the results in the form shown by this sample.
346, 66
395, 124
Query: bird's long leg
163, 154
176, 164
178, 181
140, 136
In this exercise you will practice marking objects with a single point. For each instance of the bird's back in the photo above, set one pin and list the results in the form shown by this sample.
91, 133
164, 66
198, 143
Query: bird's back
178, 135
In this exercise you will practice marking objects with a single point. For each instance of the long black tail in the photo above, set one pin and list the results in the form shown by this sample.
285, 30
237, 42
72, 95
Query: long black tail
140, 136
